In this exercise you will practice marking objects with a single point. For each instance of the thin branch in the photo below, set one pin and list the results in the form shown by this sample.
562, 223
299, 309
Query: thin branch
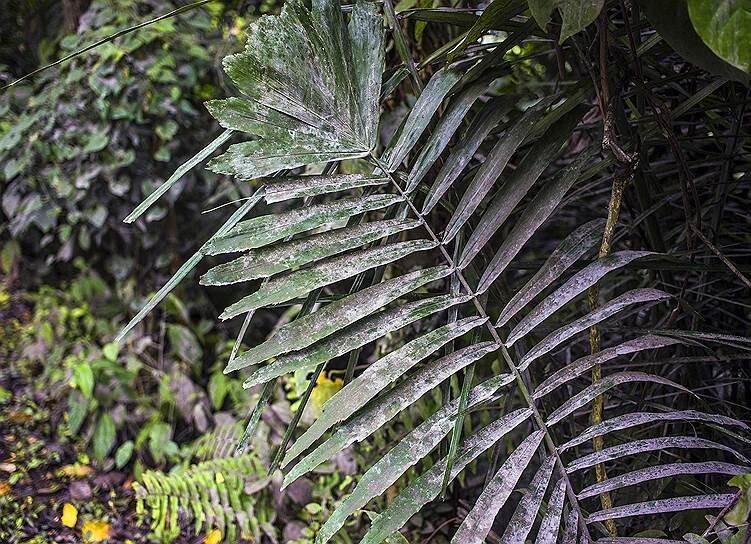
110, 38
734, 269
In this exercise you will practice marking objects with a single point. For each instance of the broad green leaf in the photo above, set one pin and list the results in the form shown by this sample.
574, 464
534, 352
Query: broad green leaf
280, 189
577, 284
725, 26
612, 307
270, 260
297, 283
312, 87
124, 453
485, 121
534, 215
492, 168
671, 20
104, 437
376, 414
541, 10
574, 246
376, 378
83, 379
307, 330
478, 522
417, 121
353, 337
516, 186
266, 229
427, 487
407, 452
577, 14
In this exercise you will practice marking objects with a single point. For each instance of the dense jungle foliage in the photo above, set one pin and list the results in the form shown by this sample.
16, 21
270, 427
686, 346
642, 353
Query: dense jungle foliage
481, 271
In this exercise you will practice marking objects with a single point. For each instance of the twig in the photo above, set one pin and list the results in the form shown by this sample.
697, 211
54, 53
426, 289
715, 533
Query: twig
734, 269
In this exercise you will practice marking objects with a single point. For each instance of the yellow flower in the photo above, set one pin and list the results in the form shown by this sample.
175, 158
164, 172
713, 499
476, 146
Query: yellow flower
214, 537
325, 389
70, 515
95, 531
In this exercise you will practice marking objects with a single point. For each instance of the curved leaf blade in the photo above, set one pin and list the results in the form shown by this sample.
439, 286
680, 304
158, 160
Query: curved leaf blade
612, 307
385, 407
634, 419
485, 121
266, 229
493, 167
669, 470
515, 188
281, 189
298, 283
550, 524
430, 99
411, 449
427, 487
576, 285
608, 382
677, 504
533, 216
377, 377
353, 337
478, 522
303, 332
443, 132
574, 246
526, 511
578, 367
646, 445
267, 261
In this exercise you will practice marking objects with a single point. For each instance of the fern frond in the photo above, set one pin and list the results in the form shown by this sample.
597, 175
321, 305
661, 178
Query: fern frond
212, 494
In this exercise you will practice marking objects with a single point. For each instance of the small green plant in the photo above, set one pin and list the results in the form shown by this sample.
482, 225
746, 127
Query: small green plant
223, 494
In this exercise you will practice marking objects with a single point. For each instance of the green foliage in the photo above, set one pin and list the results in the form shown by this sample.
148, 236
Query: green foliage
725, 26
310, 83
82, 145
221, 494
119, 402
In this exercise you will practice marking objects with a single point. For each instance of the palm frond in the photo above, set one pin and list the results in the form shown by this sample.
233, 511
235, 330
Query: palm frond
311, 82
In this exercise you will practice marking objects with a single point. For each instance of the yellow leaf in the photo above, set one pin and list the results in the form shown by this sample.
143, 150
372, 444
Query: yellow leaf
325, 389
70, 515
76, 471
95, 531
214, 537
4, 488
